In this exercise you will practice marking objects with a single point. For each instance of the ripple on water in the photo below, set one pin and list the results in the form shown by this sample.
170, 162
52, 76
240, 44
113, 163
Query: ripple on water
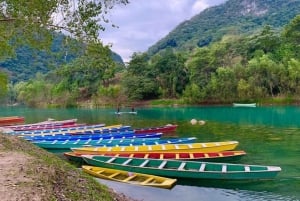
245, 195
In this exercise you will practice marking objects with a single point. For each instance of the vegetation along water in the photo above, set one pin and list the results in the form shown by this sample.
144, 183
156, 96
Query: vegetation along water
269, 135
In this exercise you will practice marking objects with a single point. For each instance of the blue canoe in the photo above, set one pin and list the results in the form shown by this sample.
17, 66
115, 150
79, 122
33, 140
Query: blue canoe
111, 142
128, 134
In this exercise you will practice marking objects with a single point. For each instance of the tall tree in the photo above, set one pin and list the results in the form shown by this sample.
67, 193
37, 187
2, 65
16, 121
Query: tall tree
33, 21
171, 73
139, 80
87, 73
291, 34
3, 84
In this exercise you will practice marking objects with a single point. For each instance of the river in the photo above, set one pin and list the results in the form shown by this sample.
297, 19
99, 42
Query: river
269, 135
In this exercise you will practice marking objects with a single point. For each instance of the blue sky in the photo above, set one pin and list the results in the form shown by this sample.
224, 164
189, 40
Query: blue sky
143, 22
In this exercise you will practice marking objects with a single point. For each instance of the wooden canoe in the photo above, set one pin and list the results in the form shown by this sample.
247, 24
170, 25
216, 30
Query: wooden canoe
115, 135
43, 124
185, 169
212, 156
12, 120
130, 177
163, 129
110, 142
244, 104
163, 148
45, 127
119, 113
90, 129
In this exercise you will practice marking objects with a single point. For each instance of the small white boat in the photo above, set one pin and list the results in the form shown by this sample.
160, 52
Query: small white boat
119, 113
244, 104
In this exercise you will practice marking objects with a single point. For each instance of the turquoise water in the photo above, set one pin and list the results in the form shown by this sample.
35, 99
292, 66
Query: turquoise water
269, 135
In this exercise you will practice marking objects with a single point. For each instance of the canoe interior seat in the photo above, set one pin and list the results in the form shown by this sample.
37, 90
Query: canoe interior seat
202, 167
111, 160
127, 161
114, 174
224, 168
144, 163
247, 169
162, 165
129, 178
148, 180
182, 165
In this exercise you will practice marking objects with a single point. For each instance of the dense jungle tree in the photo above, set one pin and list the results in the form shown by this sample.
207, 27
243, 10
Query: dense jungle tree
140, 79
171, 73
86, 74
3, 84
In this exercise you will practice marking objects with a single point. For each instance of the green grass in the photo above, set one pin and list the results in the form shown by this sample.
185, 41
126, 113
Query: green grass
167, 102
279, 100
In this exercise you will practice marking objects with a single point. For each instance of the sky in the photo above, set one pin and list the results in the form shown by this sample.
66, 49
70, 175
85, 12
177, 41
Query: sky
142, 23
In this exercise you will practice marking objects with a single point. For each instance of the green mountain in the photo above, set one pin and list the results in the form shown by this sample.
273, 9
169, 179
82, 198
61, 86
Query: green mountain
29, 61
232, 17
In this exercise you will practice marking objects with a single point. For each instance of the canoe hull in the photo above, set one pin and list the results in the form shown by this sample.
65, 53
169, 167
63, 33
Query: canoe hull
244, 104
120, 113
89, 129
215, 156
8, 121
179, 148
130, 177
175, 169
163, 129
109, 143
50, 124
115, 135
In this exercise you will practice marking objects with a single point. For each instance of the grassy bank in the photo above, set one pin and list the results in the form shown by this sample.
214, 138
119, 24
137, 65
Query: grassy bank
47, 177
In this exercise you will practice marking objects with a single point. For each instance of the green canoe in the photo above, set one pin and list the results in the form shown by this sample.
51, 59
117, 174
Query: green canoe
185, 169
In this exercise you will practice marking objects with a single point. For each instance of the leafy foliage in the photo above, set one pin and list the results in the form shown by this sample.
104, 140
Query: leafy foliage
226, 67
32, 22
139, 82
233, 17
3, 84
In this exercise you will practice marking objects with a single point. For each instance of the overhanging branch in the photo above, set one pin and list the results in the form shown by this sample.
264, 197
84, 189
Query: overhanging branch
7, 20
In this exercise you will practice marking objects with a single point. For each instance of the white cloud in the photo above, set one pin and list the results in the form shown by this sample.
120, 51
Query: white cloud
199, 6
143, 22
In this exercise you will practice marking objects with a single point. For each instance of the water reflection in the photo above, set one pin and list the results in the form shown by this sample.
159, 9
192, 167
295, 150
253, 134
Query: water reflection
192, 193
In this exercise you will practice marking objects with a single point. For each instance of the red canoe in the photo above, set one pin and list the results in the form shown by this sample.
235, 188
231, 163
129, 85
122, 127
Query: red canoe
213, 156
160, 129
45, 125
6, 121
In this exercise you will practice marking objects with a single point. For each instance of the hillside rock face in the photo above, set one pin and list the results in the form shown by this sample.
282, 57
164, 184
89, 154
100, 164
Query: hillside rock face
250, 7
231, 17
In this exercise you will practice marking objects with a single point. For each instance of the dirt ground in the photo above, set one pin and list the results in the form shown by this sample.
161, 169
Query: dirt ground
20, 177
13, 177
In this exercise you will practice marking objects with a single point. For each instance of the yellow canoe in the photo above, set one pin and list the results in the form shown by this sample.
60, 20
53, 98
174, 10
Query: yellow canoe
129, 177
162, 148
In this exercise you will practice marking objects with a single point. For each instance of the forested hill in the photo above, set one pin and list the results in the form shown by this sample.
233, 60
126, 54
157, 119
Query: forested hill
232, 17
29, 61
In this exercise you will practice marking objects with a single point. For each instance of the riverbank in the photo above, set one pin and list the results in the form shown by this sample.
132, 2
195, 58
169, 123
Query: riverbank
30, 173
269, 101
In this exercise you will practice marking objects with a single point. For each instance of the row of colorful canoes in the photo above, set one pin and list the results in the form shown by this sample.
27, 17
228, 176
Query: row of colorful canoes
143, 156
